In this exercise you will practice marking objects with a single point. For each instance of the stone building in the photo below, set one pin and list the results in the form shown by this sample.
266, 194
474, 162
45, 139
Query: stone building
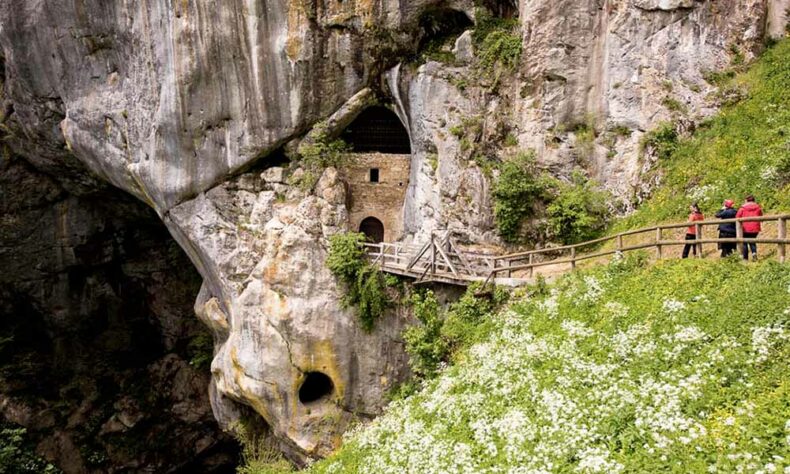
378, 173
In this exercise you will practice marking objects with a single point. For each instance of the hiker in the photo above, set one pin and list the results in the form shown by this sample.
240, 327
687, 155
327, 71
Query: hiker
751, 229
691, 232
727, 229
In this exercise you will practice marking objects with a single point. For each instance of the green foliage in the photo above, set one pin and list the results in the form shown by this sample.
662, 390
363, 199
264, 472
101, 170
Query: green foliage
585, 139
317, 153
662, 140
742, 150
578, 211
673, 105
718, 78
17, 455
627, 367
465, 321
497, 44
516, 191
200, 351
424, 344
366, 286
259, 455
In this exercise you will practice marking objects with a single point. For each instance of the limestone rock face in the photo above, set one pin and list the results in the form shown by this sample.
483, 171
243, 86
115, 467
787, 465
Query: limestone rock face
277, 316
178, 102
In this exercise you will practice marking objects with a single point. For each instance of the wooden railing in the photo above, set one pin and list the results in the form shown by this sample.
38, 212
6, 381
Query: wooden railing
442, 259
511, 263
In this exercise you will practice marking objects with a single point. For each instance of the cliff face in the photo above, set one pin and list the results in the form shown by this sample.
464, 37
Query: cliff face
182, 104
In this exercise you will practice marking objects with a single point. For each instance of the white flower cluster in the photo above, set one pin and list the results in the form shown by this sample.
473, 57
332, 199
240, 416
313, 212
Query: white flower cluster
673, 306
535, 398
764, 338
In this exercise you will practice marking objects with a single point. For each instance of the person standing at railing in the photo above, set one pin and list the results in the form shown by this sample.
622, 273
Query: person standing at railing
751, 229
727, 229
691, 232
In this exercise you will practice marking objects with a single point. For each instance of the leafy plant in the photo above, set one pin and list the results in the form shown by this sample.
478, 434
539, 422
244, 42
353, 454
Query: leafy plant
200, 351
259, 455
17, 455
366, 287
424, 344
516, 192
662, 140
578, 211
317, 153
497, 44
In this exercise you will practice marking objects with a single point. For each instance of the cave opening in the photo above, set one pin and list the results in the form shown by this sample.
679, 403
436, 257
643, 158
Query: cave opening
439, 26
101, 334
377, 129
507, 9
316, 387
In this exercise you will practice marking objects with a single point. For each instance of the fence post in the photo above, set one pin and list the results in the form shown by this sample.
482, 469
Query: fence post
739, 236
658, 245
620, 243
782, 236
573, 258
531, 268
698, 236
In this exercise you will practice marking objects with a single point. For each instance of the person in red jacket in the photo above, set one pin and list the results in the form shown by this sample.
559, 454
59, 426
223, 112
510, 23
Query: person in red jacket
691, 232
751, 229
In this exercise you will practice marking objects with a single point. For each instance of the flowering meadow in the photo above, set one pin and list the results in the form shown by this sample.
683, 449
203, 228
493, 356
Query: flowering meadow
683, 366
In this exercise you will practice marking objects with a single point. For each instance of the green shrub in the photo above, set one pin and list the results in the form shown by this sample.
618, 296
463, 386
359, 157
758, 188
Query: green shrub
673, 105
465, 320
662, 140
259, 455
516, 191
319, 152
497, 43
366, 287
579, 210
17, 455
200, 351
424, 343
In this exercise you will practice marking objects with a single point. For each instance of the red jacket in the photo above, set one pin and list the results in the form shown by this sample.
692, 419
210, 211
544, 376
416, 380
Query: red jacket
750, 209
694, 216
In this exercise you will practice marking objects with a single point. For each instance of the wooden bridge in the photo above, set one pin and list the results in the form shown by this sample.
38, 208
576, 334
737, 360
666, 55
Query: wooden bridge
443, 260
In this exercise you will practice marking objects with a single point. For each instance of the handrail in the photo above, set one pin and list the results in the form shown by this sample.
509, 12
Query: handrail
440, 259
782, 241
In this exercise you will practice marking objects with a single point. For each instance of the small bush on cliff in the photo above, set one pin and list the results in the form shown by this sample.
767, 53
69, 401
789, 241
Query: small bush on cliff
317, 153
516, 192
497, 44
259, 455
366, 287
578, 211
441, 334
17, 455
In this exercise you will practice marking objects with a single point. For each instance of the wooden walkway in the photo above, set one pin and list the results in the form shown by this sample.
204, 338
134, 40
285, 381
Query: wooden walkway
443, 260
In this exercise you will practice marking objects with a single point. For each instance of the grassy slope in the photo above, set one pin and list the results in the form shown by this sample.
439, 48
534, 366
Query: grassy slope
733, 154
674, 367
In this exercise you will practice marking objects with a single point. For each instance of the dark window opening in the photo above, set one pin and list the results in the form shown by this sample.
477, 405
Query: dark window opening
377, 129
374, 175
373, 229
315, 387
439, 26
502, 8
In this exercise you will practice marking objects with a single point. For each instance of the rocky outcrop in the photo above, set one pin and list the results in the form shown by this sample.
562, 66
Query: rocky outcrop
178, 102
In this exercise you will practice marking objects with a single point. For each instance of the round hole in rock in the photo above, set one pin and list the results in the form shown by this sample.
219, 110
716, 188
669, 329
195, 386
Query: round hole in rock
316, 386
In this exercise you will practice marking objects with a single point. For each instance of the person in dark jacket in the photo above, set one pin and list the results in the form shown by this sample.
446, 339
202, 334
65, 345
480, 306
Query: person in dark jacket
727, 230
751, 229
691, 232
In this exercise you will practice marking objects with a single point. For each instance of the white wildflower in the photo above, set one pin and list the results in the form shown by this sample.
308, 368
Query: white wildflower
673, 306
594, 289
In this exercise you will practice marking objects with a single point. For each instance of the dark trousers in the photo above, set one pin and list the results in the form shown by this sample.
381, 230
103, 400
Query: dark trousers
728, 248
752, 245
692, 247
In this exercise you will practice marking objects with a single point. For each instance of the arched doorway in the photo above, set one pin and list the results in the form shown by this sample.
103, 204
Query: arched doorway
373, 229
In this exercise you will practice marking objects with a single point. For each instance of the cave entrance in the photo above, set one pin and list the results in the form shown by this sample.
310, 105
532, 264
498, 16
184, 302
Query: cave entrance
315, 387
373, 229
377, 129
439, 26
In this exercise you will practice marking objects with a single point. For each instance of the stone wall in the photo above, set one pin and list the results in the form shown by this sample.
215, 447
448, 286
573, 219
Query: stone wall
382, 200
